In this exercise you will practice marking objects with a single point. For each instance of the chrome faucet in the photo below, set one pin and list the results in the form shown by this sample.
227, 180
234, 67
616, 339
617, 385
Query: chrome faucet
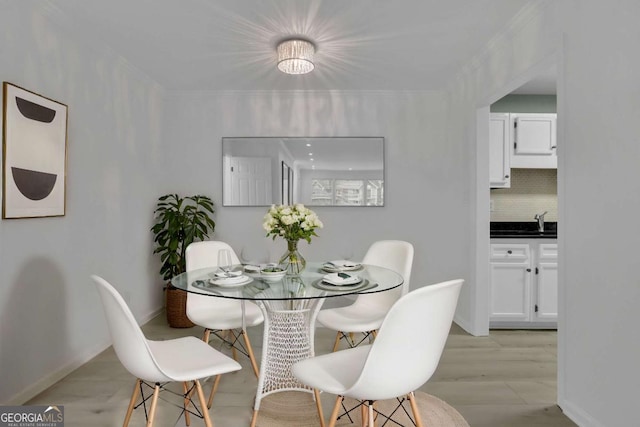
540, 219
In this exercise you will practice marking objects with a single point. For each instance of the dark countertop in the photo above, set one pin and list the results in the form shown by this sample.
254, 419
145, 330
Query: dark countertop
523, 230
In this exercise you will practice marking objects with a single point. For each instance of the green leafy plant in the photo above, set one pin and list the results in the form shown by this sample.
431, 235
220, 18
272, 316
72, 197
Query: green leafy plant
179, 221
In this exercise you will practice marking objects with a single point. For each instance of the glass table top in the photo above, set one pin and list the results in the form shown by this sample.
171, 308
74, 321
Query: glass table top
310, 284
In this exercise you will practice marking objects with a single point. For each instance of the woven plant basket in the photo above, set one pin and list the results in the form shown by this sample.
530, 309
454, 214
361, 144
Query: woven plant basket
176, 307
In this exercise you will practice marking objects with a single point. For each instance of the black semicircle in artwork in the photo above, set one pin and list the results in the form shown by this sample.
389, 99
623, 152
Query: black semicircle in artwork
33, 185
34, 111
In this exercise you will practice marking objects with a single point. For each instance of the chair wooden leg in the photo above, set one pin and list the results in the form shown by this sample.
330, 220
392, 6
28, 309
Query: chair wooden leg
336, 409
254, 418
187, 419
316, 394
363, 415
234, 352
375, 416
335, 345
154, 404
414, 409
206, 335
214, 388
203, 405
247, 343
372, 421
132, 402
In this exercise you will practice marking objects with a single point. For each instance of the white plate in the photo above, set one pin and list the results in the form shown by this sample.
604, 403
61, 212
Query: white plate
249, 268
334, 279
223, 274
230, 282
320, 284
341, 265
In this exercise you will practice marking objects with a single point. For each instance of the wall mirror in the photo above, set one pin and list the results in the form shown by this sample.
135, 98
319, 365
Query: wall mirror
332, 171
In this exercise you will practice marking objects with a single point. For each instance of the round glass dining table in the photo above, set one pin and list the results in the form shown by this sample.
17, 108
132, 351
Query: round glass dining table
290, 306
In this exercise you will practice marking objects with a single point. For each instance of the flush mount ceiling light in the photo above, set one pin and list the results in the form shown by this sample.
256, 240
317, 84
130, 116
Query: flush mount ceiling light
295, 56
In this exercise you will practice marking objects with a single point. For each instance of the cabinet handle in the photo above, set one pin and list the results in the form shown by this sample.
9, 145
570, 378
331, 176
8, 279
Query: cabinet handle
553, 146
528, 270
509, 252
506, 176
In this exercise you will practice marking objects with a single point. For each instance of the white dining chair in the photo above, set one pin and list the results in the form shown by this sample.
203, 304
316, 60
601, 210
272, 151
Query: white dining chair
367, 312
403, 357
224, 317
156, 363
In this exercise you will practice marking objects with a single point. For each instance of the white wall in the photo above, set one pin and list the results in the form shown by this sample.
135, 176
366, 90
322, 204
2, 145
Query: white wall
599, 107
50, 317
595, 46
427, 177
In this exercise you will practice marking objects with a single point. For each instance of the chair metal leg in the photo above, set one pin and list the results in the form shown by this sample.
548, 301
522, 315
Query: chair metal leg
335, 345
187, 419
247, 343
336, 409
203, 405
154, 404
414, 409
316, 394
214, 388
132, 402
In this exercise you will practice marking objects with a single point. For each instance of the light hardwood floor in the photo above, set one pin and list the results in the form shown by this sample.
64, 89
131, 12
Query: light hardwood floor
505, 380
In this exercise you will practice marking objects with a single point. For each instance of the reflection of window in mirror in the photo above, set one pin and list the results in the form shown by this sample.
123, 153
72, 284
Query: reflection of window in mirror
375, 192
322, 192
348, 192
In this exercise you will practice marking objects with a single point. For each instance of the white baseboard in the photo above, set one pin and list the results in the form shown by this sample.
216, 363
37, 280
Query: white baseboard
463, 324
578, 415
50, 379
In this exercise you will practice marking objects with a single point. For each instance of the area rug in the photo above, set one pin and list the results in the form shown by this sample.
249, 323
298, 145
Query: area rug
295, 409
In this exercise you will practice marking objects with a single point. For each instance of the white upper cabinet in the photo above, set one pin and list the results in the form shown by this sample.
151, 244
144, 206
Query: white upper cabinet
499, 150
534, 141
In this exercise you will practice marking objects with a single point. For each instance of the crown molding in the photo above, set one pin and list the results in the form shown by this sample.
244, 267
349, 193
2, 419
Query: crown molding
176, 93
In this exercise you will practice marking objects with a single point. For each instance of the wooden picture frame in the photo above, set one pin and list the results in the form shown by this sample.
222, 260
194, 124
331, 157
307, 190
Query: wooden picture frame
286, 183
34, 148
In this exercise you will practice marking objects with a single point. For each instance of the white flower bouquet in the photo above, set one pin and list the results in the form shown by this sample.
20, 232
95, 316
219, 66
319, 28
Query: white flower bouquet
291, 222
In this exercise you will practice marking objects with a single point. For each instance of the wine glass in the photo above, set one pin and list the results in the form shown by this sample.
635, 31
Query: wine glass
224, 260
345, 252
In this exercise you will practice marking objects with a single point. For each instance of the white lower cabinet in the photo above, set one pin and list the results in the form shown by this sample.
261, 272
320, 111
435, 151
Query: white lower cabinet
523, 284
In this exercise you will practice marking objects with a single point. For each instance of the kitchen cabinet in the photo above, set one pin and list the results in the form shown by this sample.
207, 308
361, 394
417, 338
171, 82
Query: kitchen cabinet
534, 141
546, 307
499, 150
523, 283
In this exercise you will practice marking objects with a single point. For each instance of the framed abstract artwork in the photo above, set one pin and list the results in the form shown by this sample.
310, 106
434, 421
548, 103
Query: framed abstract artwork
34, 147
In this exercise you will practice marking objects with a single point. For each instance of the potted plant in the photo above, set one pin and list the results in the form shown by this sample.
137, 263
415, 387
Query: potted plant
179, 221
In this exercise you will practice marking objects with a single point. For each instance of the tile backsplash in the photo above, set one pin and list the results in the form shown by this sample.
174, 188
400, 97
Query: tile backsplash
532, 191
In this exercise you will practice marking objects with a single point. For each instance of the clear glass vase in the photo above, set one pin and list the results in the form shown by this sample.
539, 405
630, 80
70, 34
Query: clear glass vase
292, 262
